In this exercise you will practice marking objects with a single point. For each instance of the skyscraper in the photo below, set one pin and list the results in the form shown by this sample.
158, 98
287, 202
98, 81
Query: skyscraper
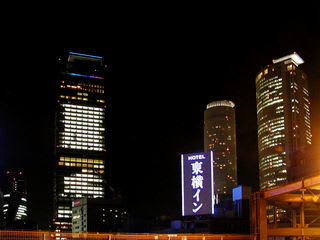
283, 116
14, 198
80, 135
220, 136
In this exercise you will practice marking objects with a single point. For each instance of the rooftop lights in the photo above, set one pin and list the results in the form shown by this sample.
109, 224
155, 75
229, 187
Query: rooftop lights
223, 103
84, 55
82, 75
294, 57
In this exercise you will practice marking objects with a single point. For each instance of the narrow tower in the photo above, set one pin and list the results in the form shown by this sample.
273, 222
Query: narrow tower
80, 135
220, 136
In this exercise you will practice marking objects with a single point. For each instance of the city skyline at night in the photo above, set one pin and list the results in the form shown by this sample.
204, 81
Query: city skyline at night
160, 73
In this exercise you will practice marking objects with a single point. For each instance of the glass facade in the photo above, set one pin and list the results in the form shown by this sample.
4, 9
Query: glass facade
220, 136
283, 116
79, 168
82, 127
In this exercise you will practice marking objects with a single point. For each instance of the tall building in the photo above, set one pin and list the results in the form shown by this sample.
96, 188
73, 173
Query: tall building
14, 199
220, 136
283, 116
80, 153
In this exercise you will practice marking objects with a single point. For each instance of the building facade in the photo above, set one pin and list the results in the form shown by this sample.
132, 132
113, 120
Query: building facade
14, 199
220, 136
80, 153
98, 215
283, 117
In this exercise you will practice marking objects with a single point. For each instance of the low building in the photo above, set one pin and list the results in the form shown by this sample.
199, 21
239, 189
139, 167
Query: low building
241, 200
230, 216
97, 215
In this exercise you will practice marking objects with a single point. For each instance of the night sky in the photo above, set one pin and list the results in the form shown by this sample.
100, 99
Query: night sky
164, 66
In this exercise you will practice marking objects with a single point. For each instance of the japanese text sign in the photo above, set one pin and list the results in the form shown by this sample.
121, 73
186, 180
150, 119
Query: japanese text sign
197, 184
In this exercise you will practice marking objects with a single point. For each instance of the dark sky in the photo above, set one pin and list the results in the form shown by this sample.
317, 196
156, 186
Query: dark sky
165, 63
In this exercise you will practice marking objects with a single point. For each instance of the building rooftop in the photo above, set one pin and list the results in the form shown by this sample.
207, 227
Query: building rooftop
222, 103
81, 56
294, 57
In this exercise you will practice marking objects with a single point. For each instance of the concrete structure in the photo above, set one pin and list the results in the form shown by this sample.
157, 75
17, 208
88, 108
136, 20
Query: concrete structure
37, 235
301, 216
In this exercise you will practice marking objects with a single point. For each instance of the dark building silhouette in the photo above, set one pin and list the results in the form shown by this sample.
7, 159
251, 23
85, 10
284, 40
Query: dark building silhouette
1, 211
305, 164
14, 199
241, 198
98, 215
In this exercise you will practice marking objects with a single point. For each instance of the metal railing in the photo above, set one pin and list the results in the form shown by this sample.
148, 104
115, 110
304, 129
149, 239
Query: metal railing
44, 235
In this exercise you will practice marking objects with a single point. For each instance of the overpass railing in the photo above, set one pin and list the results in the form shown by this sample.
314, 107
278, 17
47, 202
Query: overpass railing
43, 235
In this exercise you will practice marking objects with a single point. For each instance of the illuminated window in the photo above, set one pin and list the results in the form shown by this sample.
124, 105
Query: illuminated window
259, 76
82, 127
77, 162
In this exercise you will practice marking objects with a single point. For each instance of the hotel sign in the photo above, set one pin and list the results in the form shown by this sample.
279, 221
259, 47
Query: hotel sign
197, 184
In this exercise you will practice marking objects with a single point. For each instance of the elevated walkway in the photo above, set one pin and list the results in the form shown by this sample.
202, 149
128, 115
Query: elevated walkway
291, 210
43, 235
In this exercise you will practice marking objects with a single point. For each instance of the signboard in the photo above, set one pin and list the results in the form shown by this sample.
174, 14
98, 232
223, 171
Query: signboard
76, 203
197, 184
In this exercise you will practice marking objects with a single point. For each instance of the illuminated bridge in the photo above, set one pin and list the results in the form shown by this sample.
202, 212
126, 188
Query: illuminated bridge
41, 235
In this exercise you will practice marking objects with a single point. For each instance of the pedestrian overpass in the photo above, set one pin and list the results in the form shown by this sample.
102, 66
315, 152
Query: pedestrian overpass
291, 211
44, 235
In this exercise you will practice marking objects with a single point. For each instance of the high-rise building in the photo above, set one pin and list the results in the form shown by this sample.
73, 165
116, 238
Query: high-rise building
220, 136
14, 198
79, 167
283, 117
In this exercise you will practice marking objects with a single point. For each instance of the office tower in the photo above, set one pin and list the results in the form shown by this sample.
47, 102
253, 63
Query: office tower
14, 198
283, 116
80, 135
220, 136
